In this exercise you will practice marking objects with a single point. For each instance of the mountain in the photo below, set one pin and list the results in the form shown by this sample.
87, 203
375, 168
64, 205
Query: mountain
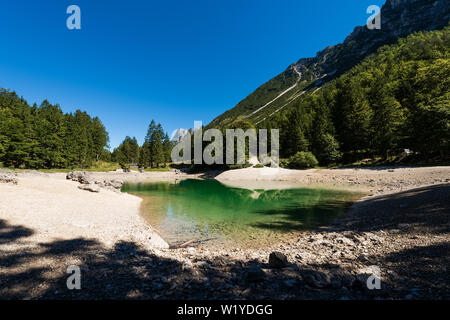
179, 135
399, 18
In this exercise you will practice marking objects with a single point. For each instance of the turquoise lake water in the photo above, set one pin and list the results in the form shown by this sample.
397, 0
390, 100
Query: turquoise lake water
208, 211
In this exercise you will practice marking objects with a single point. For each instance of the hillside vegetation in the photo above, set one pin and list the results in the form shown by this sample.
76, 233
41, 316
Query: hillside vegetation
395, 99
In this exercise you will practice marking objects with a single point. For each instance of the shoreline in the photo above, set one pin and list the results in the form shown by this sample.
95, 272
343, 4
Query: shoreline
374, 182
389, 227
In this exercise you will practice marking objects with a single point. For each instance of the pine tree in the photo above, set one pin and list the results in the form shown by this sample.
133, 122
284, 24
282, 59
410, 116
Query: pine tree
156, 147
167, 146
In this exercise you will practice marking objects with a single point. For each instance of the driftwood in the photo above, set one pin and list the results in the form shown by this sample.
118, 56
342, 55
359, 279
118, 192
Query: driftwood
183, 245
191, 243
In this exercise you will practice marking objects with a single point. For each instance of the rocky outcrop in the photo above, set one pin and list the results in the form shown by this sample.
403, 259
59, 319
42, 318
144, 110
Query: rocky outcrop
399, 18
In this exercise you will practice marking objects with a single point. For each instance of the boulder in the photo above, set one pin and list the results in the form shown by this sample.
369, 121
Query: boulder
89, 187
278, 260
8, 178
115, 185
79, 176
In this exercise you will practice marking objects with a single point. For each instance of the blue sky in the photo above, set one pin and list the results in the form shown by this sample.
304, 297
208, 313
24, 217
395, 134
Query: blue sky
172, 61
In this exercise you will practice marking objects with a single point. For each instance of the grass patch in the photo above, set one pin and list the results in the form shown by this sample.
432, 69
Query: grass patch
100, 166
163, 169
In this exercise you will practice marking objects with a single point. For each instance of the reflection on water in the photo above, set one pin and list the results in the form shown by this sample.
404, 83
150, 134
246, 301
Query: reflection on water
210, 212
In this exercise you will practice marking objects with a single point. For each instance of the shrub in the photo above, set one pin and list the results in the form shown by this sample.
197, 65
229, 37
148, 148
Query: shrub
259, 165
328, 149
302, 160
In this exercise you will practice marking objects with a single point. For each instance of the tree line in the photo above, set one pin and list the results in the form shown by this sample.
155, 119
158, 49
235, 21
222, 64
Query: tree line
45, 137
154, 152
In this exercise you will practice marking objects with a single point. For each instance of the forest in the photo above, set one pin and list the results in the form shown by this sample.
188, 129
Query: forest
45, 137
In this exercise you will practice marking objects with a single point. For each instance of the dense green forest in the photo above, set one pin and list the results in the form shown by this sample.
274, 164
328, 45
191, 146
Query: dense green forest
39, 137
154, 152
44, 137
395, 99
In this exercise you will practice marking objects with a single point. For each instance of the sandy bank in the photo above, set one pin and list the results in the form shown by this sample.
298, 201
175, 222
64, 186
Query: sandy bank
53, 208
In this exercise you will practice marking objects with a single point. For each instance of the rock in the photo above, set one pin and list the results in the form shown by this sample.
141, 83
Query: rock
8, 178
203, 264
114, 185
89, 187
316, 279
363, 257
79, 176
278, 260
255, 274
344, 240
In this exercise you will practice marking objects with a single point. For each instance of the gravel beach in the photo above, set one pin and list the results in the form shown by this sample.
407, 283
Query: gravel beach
47, 224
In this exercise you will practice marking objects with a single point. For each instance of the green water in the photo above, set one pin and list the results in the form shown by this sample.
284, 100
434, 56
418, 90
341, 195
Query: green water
210, 212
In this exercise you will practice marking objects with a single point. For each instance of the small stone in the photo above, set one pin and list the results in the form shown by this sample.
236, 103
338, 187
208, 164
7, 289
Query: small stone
278, 260
363, 258
344, 240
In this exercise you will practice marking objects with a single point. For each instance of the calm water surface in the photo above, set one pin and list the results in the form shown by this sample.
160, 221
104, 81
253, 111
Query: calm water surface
212, 213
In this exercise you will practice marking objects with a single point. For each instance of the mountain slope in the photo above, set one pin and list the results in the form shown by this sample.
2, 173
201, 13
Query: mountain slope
399, 18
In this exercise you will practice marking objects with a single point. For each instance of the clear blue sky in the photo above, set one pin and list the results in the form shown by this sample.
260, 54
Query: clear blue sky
172, 61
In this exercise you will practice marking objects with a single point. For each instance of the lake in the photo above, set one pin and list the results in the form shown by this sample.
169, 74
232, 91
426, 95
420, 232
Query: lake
211, 212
